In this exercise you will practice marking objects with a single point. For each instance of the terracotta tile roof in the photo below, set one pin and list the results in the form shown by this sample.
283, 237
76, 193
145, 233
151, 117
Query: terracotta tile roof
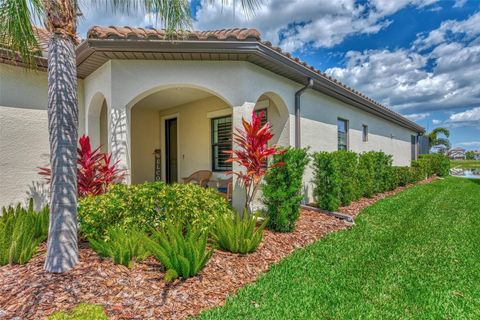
114, 32
237, 34
12, 58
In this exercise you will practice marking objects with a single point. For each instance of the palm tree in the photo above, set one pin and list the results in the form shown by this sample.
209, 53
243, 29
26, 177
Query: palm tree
435, 141
60, 19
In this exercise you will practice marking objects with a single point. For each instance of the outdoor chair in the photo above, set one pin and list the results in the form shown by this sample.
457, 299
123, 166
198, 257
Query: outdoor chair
201, 177
225, 188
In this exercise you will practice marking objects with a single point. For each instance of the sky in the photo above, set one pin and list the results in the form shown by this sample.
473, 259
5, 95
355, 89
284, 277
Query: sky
420, 58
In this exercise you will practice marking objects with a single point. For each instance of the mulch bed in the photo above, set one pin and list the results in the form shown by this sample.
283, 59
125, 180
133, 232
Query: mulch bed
27, 292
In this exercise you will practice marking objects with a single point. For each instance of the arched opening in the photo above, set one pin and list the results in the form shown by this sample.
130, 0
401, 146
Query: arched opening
172, 134
276, 112
97, 122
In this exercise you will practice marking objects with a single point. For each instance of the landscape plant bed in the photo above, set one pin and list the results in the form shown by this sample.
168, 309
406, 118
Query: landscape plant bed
26, 291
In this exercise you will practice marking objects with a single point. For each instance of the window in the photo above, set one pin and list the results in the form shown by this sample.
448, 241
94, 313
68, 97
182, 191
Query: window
414, 147
221, 141
342, 128
365, 133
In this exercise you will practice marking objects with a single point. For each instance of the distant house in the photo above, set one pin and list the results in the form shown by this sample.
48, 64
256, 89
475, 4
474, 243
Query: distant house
476, 154
457, 154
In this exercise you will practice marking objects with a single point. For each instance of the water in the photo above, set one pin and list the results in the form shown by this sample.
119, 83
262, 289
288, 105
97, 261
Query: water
465, 173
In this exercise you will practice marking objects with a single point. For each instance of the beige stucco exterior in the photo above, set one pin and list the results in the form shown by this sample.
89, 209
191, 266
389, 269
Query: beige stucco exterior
24, 143
124, 104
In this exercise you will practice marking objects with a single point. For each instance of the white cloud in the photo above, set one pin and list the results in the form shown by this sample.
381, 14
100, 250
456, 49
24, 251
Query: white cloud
411, 79
417, 116
465, 30
467, 118
470, 143
102, 15
459, 3
436, 121
298, 24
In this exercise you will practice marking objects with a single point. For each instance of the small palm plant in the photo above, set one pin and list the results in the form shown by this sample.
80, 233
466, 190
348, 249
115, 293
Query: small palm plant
238, 234
21, 231
124, 246
183, 255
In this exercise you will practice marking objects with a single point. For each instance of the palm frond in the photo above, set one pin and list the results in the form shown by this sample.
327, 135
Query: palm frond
173, 14
441, 142
17, 33
249, 6
444, 131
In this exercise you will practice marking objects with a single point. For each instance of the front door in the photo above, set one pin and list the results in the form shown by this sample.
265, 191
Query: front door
171, 147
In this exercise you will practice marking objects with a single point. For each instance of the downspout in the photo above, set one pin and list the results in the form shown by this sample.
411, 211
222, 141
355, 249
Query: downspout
297, 112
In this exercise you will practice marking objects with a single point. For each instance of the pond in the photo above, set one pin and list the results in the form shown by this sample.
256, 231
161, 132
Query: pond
465, 173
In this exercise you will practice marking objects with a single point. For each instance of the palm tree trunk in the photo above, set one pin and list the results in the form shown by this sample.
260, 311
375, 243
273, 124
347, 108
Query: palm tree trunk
62, 247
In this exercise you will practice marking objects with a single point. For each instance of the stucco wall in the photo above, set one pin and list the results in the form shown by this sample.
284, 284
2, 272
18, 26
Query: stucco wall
24, 134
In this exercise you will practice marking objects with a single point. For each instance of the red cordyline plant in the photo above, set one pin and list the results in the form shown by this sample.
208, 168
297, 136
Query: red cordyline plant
95, 170
252, 154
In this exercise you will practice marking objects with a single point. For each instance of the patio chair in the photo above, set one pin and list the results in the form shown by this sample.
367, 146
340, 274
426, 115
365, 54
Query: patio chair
201, 177
225, 188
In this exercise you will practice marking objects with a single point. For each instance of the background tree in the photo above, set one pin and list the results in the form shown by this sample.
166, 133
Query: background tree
470, 155
18, 34
435, 141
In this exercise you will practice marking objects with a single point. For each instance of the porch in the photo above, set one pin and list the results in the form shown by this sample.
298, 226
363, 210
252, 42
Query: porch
175, 131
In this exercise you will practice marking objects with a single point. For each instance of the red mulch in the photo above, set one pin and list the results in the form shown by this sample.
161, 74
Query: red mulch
26, 291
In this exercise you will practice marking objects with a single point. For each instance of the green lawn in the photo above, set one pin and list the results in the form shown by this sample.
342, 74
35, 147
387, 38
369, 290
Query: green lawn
412, 256
465, 164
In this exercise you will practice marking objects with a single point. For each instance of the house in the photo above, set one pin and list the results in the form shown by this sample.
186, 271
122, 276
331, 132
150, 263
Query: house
457, 154
166, 107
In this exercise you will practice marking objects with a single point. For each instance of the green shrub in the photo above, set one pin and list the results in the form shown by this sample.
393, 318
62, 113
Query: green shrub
439, 164
123, 246
403, 175
348, 166
238, 235
327, 180
366, 173
150, 205
383, 172
21, 231
375, 174
183, 255
81, 312
282, 191
424, 168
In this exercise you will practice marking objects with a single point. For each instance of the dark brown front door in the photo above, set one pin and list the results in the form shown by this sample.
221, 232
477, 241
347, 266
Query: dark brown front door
171, 147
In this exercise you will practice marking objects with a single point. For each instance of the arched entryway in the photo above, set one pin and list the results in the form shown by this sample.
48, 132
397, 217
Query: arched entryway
276, 113
97, 122
174, 132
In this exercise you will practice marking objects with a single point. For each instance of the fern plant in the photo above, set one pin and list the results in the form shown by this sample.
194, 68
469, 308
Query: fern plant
183, 255
238, 235
21, 231
124, 246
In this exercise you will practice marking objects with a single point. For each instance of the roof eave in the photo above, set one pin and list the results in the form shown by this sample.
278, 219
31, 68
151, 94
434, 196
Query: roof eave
321, 83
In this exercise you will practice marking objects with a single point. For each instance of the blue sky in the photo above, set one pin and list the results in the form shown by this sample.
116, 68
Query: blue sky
418, 57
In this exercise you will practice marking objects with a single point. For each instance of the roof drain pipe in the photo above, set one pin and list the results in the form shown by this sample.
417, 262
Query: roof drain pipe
297, 112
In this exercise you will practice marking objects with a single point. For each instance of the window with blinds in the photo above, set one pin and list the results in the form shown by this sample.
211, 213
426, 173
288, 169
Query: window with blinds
221, 141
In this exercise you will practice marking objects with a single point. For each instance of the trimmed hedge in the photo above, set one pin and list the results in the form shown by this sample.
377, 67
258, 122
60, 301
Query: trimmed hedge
149, 205
327, 188
282, 191
341, 177
439, 164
